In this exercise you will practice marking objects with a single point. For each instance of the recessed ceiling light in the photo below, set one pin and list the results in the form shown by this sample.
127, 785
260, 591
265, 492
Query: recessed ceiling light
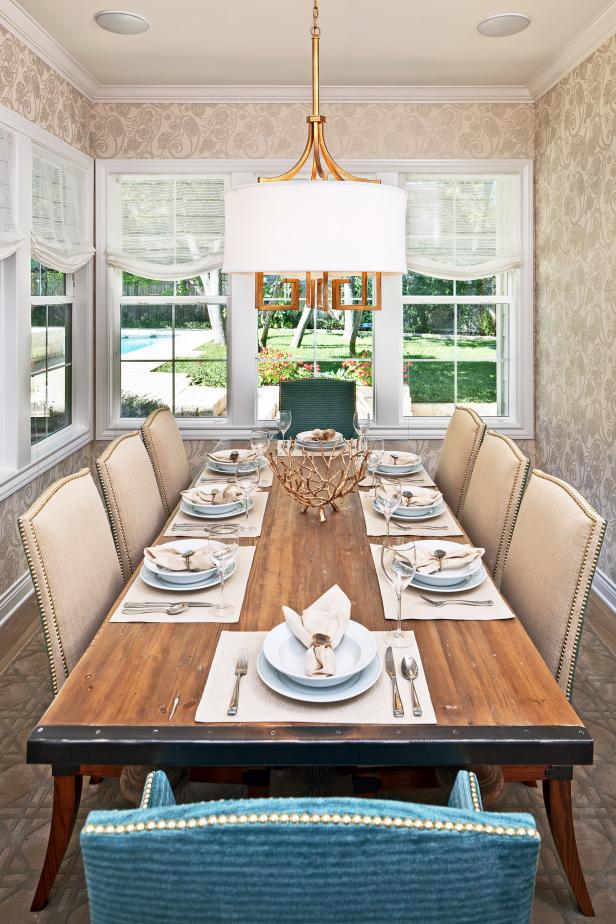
503, 24
121, 22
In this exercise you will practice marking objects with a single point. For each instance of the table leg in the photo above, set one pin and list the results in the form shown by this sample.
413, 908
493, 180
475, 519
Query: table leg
66, 796
557, 800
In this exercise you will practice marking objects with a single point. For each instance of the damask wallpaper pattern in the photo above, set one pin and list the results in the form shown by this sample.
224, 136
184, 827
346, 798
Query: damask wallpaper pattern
575, 204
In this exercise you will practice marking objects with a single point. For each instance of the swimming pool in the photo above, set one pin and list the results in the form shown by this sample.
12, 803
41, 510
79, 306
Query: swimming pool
129, 343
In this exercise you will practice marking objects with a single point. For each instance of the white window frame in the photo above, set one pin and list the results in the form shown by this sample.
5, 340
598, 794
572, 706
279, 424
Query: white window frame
20, 462
242, 317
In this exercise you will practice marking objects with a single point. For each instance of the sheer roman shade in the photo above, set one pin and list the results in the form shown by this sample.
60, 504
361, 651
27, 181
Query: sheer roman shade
462, 227
10, 238
61, 237
167, 227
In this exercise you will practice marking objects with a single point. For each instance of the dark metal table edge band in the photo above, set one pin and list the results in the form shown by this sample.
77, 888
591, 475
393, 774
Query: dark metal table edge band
296, 745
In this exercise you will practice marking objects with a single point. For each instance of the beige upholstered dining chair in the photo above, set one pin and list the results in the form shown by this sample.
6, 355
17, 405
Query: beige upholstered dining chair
74, 568
493, 498
457, 456
133, 502
163, 442
549, 570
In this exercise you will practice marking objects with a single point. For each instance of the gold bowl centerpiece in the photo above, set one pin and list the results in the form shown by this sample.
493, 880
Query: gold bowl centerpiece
318, 478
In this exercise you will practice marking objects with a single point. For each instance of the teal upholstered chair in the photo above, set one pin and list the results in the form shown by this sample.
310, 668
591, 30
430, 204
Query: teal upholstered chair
319, 403
344, 861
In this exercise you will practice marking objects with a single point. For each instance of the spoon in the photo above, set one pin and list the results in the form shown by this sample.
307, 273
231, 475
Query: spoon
394, 456
410, 672
439, 554
408, 495
174, 610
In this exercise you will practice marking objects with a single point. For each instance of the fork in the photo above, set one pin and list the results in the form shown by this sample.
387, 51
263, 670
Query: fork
461, 602
410, 530
241, 668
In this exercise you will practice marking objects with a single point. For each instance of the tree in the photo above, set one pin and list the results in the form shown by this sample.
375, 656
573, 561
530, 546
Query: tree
211, 283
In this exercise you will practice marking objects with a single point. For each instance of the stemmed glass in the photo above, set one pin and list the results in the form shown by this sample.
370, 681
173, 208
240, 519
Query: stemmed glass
259, 441
224, 556
361, 425
284, 422
399, 571
376, 450
388, 494
247, 478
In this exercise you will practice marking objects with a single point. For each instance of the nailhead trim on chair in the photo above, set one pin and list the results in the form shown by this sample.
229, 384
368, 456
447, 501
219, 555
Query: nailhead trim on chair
479, 435
474, 785
113, 511
151, 451
147, 790
510, 517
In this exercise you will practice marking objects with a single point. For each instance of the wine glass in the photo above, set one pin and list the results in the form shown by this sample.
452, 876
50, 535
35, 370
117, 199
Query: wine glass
376, 450
284, 422
388, 495
361, 425
259, 441
223, 557
399, 571
247, 478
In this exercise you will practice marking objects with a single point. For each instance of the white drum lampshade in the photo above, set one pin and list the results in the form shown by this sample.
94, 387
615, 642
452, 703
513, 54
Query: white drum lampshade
315, 225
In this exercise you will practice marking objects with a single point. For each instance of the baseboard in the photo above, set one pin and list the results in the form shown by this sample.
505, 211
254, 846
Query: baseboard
13, 598
605, 589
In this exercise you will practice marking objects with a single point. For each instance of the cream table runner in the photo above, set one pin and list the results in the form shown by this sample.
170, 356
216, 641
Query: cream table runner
235, 589
260, 704
376, 524
255, 521
413, 607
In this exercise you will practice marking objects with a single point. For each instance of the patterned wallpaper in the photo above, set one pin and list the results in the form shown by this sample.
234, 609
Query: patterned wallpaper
388, 130
576, 284
37, 92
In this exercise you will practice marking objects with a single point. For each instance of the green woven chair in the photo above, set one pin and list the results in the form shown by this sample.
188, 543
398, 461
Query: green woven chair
319, 403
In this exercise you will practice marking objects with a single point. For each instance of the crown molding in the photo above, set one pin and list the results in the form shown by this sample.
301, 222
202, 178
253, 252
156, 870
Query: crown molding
584, 44
28, 31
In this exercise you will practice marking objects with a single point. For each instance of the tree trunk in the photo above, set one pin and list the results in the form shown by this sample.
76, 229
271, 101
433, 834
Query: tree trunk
267, 323
210, 287
355, 324
300, 330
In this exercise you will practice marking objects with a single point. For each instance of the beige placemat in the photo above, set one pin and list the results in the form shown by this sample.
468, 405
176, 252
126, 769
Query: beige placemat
377, 526
421, 478
255, 520
209, 475
235, 589
413, 607
260, 704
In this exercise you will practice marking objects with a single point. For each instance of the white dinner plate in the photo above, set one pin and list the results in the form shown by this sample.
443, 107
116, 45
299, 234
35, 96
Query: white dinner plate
185, 507
231, 467
182, 577
154, 580
303, 439
450, 575
427, 514
467, 583
204, 507
287, 655
400, 470
282, 684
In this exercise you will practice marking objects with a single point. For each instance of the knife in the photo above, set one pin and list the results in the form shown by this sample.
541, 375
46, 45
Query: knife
390, 667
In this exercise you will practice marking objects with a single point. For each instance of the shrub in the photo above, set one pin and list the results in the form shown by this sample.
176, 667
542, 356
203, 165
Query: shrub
275, 367
359, 370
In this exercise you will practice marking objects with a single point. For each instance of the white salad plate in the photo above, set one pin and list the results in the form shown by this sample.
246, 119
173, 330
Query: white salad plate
450, 575
181, 577
467, 583
229, 468
287, 655
214, 509
192, 511
154, 580
427, 513
306, 443
400, 470
282, 684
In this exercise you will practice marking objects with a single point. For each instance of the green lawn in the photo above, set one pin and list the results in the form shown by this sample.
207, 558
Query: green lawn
431, 382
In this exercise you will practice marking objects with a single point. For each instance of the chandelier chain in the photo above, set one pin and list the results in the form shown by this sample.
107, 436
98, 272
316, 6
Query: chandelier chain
315, 16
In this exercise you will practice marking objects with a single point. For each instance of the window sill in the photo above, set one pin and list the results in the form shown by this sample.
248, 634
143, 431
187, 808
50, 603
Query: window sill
45, 457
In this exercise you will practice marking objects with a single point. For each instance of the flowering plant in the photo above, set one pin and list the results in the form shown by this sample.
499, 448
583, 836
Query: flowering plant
359, 369
275, 366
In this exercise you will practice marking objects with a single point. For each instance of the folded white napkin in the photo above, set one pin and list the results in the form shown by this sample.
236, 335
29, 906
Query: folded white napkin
321, 628
239, 455
322, 435
213, 494
173, 560
400, 458
426, 561
426, 499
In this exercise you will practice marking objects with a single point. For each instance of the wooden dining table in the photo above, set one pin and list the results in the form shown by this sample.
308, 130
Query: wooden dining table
495, 700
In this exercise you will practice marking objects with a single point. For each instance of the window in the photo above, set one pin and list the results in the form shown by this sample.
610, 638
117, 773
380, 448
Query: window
173, 345
51, 389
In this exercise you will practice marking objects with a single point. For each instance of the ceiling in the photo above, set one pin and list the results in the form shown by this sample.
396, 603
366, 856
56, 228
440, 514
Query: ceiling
266, 42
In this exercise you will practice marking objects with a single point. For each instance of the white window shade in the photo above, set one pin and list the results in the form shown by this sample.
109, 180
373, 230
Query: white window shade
61, 238
463, 227
167, 227
10, 237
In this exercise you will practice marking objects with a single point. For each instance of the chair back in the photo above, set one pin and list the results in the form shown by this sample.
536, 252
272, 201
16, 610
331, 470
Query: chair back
165, 447
74, 568
319, 403
132, 498
549, 570
457, 456
493, 498
338, 861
